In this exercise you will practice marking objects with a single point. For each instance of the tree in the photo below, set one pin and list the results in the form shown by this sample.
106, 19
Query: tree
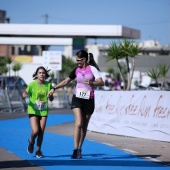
160, 71
3, 69
124, 50
163, 70
131, 50
111, 71
16, 68
154, 74
67, 66
115, 53
2, 64
9, 61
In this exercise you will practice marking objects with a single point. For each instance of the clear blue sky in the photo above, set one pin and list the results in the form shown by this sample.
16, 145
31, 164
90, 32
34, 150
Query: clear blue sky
151, 17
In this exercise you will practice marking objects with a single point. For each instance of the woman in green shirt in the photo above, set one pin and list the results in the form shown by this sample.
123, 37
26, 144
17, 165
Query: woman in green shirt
36, 98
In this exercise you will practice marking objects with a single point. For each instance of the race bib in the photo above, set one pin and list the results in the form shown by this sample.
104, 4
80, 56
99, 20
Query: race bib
40, 105
83, 93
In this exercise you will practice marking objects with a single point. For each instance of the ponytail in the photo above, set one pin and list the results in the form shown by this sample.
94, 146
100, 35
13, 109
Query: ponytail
91, 61
89, 58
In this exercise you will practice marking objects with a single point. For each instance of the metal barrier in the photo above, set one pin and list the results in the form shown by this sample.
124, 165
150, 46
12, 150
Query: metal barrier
5, 105
16, 101
11, 100
61, 98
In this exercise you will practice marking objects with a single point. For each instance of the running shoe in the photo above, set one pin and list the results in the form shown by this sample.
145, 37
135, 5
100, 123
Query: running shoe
39, 154
79, 155
76, 154
30, 148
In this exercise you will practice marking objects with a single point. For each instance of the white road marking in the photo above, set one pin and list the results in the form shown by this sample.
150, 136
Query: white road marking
109, 144
152, 159
128, 150
155, 160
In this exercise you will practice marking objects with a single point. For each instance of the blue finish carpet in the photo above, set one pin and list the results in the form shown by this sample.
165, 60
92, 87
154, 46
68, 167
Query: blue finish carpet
57, 149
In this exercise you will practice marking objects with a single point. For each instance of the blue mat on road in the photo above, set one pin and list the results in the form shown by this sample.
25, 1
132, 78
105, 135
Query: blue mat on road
57, 149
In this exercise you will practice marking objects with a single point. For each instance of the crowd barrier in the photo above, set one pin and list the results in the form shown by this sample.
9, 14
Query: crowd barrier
61, 98
142, 114
11, 100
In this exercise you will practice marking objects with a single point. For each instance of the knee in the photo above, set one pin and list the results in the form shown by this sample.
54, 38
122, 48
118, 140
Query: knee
35, 131
78, 125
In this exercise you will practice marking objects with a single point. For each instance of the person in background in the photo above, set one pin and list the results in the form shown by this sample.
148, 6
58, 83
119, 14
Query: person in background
36, 98
118, 83
87, 76
108, 83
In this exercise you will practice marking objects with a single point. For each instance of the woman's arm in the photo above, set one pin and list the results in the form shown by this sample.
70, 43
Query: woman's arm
59, 85
98, 82
25, 94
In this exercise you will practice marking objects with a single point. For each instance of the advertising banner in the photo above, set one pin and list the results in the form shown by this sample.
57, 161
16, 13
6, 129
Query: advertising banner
143, 114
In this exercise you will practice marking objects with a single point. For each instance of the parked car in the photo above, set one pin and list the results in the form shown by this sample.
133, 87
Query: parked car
12, 82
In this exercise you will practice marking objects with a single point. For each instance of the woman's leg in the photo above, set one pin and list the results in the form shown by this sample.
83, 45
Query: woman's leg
34, 122
77, 126
42, 124
85, 121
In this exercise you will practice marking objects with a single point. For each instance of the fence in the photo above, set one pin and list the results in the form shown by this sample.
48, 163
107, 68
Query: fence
62, 98
11, 100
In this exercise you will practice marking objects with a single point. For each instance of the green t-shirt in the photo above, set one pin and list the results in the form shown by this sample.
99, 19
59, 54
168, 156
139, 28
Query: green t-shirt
38, 98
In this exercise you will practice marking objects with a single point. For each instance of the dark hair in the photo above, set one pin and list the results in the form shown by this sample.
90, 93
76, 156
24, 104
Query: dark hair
89, 58
46, 73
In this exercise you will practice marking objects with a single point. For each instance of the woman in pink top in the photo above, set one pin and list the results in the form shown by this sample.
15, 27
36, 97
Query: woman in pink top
87, 76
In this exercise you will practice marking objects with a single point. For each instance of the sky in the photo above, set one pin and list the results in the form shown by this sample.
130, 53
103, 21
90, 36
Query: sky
151, 17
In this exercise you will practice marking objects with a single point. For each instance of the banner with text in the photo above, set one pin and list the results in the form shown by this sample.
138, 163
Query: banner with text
143, 114
52, 60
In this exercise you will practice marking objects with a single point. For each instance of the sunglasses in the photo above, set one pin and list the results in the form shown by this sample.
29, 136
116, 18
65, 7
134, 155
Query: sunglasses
80, 59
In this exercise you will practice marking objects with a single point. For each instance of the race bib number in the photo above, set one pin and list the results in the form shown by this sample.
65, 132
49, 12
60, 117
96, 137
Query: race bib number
40, 105
83, 93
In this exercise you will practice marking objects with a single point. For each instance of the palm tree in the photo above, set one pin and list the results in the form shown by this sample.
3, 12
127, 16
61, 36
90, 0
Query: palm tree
115, 53
154, 74
125, 50
132, 51
163, 69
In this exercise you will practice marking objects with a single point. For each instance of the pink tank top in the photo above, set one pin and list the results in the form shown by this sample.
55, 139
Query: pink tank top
81, 74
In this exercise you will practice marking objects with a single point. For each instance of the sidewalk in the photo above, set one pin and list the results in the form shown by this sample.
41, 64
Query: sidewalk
99, 150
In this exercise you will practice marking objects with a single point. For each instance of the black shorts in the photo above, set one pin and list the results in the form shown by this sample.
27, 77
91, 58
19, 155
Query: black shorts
31, 115
87, 106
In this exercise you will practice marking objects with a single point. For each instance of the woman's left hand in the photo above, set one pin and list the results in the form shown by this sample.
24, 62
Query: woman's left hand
86, 81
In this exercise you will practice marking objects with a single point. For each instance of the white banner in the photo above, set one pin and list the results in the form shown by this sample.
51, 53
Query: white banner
52, 60
143, 114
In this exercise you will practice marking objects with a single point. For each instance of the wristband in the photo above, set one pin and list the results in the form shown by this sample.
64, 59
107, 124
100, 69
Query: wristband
54, 88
